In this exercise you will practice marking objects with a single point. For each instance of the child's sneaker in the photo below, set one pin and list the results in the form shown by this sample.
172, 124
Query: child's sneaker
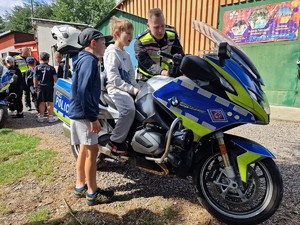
40, 119
99, 197
80, 192
117, 148
52, 119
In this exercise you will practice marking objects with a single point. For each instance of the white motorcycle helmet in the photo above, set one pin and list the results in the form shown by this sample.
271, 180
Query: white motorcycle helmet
67, 37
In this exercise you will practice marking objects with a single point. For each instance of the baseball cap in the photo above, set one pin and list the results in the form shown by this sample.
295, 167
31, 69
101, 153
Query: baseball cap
44, 56
30, 59
88, 34
9, 59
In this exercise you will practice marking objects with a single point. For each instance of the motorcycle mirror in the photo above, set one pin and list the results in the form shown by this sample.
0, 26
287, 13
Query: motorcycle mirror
224, 52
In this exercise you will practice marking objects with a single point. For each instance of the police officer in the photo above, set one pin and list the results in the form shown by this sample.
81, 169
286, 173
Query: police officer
156, 38
15, 88
20, 61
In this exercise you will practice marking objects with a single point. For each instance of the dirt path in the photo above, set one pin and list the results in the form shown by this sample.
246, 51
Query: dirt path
140, 198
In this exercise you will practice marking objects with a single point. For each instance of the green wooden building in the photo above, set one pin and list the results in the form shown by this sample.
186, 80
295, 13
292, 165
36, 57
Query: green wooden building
276, 61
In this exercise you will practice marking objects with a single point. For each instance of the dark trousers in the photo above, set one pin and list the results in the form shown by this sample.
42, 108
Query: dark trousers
16, 101
29, 95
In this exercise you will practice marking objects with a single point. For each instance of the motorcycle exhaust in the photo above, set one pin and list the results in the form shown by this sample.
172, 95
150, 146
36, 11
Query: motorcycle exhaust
174, 159
110, 160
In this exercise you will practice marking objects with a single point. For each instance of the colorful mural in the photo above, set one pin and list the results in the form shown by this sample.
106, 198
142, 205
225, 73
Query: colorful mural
272, 22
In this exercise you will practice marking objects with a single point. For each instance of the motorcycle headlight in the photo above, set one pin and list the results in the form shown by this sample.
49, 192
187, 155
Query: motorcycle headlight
253, 95
265, 105
262, 101
227, 85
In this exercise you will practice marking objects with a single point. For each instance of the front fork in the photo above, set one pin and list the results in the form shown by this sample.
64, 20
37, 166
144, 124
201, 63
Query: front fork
222, 147
232, 183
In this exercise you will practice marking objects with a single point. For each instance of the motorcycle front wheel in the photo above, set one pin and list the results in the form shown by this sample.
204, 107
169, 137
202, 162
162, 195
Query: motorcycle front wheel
3, 115
246, 203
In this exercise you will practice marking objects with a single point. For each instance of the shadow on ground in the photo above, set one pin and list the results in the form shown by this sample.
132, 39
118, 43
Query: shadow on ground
136, 216
28, 121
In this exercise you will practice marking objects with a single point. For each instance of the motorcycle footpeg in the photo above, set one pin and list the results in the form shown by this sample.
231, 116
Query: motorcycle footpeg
122, 159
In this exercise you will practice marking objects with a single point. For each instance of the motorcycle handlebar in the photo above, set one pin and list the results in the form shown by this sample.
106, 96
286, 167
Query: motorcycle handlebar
176, 57
163, 54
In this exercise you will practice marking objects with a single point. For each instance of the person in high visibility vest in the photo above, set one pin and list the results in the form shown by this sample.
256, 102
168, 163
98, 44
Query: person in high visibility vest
20, 61
156, 38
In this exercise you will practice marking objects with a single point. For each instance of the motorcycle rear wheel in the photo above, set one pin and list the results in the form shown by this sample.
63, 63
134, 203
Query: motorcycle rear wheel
3, 115
262, 192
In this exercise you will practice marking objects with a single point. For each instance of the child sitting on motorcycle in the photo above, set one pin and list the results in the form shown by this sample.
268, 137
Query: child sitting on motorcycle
121, 84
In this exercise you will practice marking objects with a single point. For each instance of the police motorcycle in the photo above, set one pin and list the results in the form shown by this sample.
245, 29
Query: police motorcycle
180, 125
6, 100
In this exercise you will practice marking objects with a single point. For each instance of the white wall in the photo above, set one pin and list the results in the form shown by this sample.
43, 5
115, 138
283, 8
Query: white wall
4, 52
45, 40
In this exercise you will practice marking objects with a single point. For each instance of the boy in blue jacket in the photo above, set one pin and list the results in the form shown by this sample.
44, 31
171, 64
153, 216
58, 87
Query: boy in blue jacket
83, 113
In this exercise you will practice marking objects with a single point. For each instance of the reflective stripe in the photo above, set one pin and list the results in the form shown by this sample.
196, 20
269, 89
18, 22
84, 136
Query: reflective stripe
152, 48
4, 88
164, 65
21, 63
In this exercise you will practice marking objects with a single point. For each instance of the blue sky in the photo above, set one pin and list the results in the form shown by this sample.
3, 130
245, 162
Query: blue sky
7, 5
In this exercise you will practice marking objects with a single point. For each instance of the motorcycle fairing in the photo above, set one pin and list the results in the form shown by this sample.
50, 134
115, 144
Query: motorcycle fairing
253, 153
242, 98
61, 99
61, 102
61, 107
243, 161
5, 81
201, 111
4, 87
3, 102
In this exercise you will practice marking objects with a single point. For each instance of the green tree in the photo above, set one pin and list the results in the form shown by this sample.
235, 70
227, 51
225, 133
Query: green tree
82, 11
20, 17
2, 25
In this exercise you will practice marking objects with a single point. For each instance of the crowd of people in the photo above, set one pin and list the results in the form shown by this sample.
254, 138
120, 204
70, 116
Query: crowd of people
37, 79
34, 80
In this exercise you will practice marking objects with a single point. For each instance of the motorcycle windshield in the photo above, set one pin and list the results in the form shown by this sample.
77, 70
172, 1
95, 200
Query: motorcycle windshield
238, 54
238, 66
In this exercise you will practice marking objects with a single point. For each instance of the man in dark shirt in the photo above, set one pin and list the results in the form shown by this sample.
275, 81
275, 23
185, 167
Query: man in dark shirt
15, 88
156, 38
61, 64
28, 80
43, 81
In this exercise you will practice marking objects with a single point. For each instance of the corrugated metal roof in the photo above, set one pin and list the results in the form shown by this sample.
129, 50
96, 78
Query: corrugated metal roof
59, 22
11, 32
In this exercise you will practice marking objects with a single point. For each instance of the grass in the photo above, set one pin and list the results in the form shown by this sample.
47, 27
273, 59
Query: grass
40, 215
4, 210
168, 214
19, 157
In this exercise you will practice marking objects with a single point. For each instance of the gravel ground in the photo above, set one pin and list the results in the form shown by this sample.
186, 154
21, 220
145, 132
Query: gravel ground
141, 197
